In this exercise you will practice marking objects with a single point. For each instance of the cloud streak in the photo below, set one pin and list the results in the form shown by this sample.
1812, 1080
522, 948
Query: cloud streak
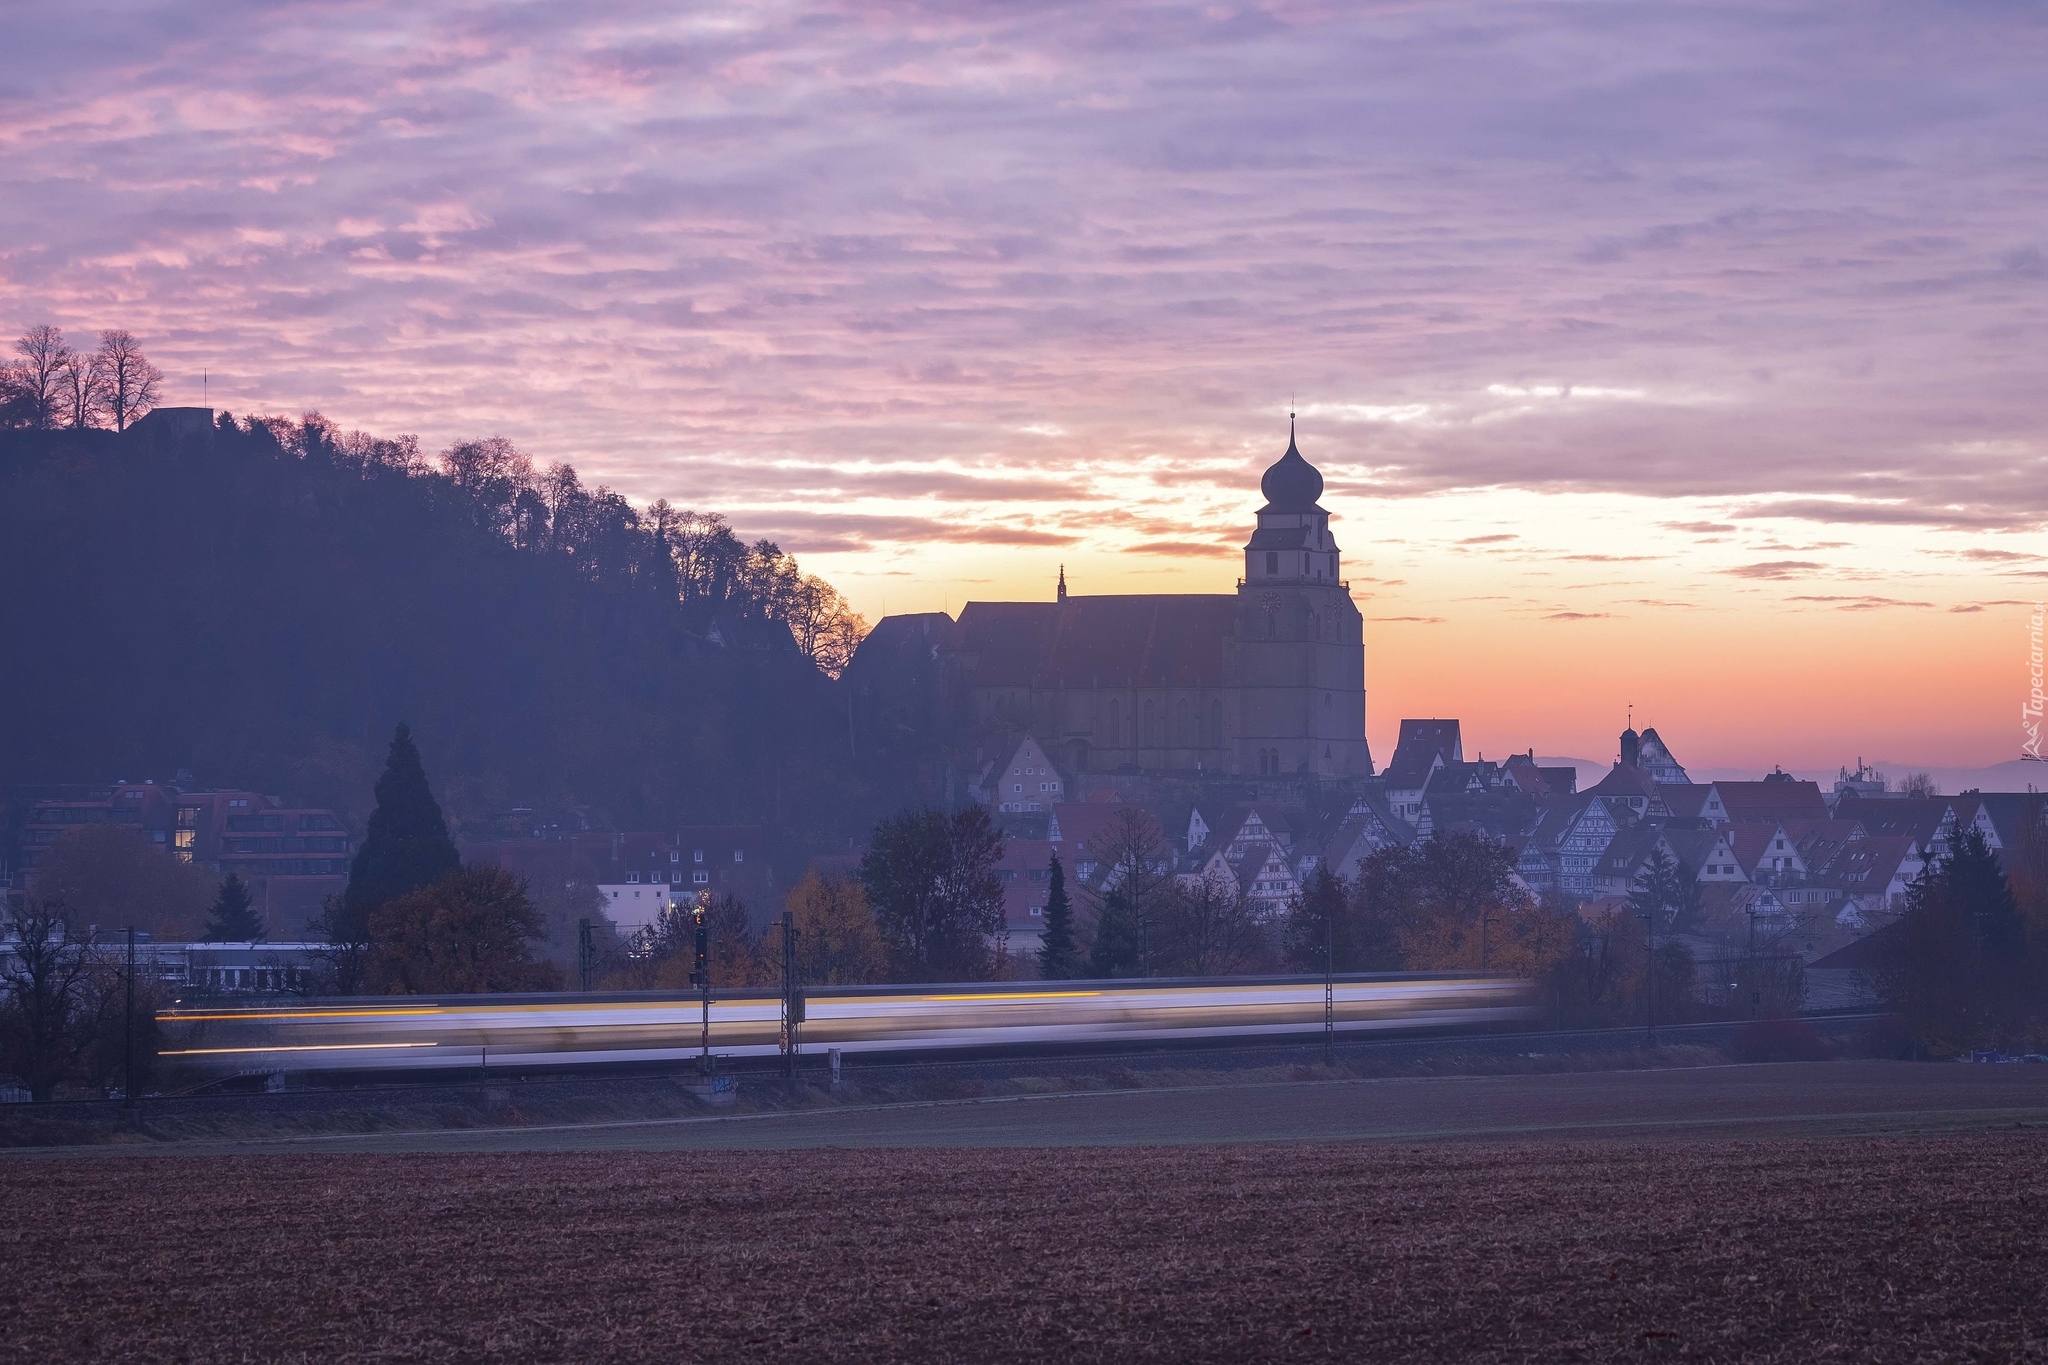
1480, 238
949, 291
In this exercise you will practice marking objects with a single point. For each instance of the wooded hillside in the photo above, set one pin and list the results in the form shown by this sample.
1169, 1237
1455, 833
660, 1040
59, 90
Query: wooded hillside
261, 601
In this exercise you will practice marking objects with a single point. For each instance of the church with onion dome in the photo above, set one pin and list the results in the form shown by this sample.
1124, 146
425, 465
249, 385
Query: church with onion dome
1267, 681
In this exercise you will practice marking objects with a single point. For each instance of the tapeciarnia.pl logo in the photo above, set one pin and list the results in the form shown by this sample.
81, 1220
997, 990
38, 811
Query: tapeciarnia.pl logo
2030, 712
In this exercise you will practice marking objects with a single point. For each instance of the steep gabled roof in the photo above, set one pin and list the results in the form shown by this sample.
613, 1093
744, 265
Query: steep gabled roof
1751, 842
1923, 818
1868, 865
1628, 851
1773, 799
1420, 738
1819, 842
2008, 813
1555, 824
1654, 757
1412, 774
1172, 640
901, 651
1685, 801
1523, 774
1500, 814
1692, 847
1624, 781
1462, 777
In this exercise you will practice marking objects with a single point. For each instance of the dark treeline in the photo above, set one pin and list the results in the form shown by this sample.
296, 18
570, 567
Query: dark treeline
261, 602
1447, 903
1965, 963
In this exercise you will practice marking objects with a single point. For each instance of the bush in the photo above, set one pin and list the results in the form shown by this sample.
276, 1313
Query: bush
1779, 1040
1889, 1035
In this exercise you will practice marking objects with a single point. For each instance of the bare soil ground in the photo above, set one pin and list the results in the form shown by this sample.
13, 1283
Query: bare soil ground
1888, 1249
515, 1102
1310, 1104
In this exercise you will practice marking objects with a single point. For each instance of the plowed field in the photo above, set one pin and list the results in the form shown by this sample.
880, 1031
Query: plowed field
1883, 1249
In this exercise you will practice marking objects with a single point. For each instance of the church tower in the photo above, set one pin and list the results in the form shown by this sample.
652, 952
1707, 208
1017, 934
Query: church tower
1300, 640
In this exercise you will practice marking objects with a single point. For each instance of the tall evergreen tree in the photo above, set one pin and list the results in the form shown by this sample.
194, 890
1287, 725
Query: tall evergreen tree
1059, 957
1117, 948
1980, 887
235, 918
1954, 964
408, 845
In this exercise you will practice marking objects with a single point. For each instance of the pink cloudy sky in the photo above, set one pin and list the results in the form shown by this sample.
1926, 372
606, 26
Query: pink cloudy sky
1682, 355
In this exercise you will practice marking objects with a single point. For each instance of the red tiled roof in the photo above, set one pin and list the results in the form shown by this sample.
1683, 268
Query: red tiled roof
1622, 780
1752, 842
1683, 801
1791, 800
1418, 739
1085, 829
1869, 864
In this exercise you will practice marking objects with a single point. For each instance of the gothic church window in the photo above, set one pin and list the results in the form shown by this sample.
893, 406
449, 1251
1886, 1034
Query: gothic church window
1273, 562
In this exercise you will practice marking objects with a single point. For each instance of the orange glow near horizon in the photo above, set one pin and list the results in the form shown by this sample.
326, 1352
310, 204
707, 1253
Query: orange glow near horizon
1683, 356
1569, 610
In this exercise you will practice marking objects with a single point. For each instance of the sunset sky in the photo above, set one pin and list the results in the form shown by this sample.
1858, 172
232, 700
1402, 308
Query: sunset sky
1689, 356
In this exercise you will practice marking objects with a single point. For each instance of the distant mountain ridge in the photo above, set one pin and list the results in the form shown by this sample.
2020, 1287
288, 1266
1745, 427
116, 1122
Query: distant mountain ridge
2013, 775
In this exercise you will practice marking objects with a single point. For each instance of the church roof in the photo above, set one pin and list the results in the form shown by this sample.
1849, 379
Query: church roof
1291, 484
1142, 640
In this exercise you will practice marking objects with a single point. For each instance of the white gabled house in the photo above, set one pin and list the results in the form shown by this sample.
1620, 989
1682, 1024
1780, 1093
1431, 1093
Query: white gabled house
1586, 836
1026, 784
1368, 827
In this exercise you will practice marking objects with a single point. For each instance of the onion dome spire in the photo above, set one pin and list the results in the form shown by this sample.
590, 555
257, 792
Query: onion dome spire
1291, 484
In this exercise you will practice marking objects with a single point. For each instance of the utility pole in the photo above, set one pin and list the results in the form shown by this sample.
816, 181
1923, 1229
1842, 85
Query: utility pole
792, 997
1756, 996
701, 978
583, 954
128, 1083
1330, 989
1650, 974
